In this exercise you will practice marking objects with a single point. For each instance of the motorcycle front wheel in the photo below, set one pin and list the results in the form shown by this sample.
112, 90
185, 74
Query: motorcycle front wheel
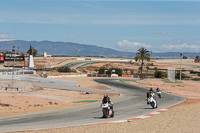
105, 113
112, 114
152, 105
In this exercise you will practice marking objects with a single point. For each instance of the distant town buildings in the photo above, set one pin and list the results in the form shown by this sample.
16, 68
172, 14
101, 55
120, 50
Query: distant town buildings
9, 53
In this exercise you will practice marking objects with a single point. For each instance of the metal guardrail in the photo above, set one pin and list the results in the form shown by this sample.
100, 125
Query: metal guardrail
98, 75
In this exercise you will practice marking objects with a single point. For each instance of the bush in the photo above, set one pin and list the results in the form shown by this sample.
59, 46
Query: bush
158, 74
109, 71
177, 75
66, 69
118, 71
101, 70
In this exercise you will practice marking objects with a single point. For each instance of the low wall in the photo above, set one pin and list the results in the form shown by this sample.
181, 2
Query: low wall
19, 72
62, 76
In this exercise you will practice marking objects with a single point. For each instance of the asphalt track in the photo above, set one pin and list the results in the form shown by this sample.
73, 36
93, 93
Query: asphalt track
131, 103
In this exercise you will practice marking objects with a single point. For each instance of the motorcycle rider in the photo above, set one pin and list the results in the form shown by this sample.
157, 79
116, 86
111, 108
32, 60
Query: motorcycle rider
157, 90
151, 90
149, 93
107, 99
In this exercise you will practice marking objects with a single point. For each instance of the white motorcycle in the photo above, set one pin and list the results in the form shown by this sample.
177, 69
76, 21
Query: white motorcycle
107, 111
159, 93
152, 101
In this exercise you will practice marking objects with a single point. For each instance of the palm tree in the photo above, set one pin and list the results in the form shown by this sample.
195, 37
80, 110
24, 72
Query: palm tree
142, 54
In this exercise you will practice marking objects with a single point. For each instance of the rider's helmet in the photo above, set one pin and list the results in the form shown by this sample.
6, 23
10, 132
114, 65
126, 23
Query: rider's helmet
105, 96
151, 89
157, 88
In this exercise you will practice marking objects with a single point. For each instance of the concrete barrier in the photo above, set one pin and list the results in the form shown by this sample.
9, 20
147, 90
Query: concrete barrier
62, 76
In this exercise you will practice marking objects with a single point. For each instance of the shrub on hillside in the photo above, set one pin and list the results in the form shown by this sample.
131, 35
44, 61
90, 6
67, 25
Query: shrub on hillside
177, 75
101, 70
158, 74
66, 69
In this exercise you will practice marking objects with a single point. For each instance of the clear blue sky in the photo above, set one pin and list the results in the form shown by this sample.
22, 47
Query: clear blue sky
159, 26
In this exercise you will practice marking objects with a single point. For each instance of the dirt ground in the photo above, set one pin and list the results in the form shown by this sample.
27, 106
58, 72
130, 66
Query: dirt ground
184, 118
30, 98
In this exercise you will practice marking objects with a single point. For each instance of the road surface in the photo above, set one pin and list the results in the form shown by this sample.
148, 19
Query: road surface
131, 103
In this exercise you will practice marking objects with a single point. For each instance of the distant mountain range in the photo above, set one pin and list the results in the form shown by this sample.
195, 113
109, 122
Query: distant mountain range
74, 49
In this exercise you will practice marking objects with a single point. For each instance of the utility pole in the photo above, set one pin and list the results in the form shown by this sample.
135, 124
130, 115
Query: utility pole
13, 85
54, 53
181, 67
13, 50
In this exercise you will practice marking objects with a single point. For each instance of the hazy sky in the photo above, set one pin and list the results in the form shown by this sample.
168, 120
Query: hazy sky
159, 26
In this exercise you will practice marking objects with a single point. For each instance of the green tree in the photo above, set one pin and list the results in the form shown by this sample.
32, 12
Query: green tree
101, 70
4, 55
125, 70
147, 67
142, 55
158, 74
35, 52
177, 75
118, 71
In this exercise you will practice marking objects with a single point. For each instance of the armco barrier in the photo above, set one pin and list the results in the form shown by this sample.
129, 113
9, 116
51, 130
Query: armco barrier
130, 76
138, 76
98, 75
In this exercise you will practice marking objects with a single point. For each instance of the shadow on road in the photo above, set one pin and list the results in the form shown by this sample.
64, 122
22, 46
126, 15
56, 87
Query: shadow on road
147, 108
99, 117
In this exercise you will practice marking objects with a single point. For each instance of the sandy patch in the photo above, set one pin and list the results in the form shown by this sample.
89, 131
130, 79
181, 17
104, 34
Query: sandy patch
30, 98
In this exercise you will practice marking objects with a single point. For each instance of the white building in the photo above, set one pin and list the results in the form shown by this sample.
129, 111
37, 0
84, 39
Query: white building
46, 55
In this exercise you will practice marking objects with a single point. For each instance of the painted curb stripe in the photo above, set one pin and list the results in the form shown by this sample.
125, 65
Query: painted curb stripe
102, 123
120, 121
150, 114
163, 110
142, 117
135, 118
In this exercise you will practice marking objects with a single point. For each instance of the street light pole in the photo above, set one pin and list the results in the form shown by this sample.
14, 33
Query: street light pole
181, 67
13, 50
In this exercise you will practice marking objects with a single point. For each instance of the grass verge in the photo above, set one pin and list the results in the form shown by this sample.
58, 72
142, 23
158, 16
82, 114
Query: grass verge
168, 81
